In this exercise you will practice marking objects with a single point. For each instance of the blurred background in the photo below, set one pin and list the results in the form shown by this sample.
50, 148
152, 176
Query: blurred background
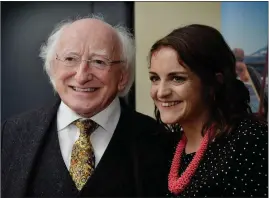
26, 25
245, 27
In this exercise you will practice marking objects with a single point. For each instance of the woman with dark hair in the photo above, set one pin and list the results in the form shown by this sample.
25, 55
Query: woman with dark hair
222, 150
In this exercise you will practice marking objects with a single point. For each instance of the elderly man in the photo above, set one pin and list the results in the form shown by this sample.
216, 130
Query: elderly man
85, 144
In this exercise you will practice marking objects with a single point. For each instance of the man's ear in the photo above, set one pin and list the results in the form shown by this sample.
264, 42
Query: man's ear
52, 66
124, 78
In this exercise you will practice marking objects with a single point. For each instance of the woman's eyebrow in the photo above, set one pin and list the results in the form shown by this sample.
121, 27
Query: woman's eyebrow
151, 72
177, 73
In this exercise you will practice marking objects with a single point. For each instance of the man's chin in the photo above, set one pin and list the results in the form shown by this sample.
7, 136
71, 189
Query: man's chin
82, 109
86, 113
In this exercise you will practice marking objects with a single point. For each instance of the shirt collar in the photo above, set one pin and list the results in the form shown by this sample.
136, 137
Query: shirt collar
65, 115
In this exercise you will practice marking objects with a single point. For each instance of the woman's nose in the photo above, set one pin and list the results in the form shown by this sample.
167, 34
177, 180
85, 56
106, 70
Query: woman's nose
163, 90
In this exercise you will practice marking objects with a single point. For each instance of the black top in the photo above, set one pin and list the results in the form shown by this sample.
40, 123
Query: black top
233, 165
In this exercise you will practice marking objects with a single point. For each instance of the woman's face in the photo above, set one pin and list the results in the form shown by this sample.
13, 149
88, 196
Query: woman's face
176, 91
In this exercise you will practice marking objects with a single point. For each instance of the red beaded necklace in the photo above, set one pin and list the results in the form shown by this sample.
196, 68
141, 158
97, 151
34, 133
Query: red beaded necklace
177, 184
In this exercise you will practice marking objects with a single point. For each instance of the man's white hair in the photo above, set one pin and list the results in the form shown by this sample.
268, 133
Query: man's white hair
47, 50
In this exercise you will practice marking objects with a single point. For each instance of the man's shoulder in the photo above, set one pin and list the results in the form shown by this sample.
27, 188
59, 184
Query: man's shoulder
140, 119
141, 124
35, 116
143, 117
26, 115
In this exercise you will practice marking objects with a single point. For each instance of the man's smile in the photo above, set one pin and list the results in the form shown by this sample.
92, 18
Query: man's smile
91, 89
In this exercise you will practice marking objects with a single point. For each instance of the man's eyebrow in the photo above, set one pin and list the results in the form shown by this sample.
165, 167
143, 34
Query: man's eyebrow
99, 53
96, 53
68, 52
72, 53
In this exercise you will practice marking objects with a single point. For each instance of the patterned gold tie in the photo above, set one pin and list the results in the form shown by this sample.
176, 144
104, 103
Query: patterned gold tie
82, 157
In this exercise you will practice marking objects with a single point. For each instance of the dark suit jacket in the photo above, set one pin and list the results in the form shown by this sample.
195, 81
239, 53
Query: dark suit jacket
148, 147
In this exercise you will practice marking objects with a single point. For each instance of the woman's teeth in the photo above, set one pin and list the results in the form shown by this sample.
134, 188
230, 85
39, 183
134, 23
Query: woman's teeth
169, 104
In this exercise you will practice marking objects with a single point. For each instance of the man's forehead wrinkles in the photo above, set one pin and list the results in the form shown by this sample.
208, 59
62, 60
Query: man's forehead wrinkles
91, 39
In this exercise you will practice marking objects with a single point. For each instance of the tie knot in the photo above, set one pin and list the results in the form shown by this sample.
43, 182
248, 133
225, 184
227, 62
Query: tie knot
86, 126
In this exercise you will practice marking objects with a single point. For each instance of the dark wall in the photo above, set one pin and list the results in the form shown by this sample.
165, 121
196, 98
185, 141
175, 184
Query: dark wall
25, 26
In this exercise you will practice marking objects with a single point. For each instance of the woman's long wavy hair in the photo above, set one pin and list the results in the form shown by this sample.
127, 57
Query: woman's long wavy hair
204, 50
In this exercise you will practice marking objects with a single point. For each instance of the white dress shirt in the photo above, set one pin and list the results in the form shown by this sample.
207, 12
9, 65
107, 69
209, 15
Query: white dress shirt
68, 133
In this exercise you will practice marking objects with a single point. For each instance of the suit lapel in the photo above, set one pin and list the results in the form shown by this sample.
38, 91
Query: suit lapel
29, 141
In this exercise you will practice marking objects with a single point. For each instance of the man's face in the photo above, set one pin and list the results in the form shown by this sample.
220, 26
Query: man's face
242, 71
85, 88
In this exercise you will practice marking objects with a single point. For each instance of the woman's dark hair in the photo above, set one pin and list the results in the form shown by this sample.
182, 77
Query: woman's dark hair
204, 50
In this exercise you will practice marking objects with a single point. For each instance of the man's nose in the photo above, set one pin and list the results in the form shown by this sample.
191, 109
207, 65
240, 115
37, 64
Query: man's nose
164, 90
84, 73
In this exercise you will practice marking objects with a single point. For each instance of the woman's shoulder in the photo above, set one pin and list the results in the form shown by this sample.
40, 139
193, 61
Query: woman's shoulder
250, 127
249, 132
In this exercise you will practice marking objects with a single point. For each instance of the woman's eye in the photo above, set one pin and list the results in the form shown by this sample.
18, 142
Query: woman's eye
178, 79
153, 78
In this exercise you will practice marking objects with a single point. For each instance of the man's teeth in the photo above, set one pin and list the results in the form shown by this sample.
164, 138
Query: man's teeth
84, 89
169, 104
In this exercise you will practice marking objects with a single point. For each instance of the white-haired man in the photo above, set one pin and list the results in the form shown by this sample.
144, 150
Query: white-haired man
85, 144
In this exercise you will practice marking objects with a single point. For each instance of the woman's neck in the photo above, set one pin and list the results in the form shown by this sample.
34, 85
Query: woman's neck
193, 132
